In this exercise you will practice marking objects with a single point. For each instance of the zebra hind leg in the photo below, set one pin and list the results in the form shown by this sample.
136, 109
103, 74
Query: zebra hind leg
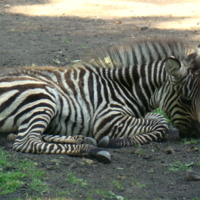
102, 155
78, 139
34, 144
29, 140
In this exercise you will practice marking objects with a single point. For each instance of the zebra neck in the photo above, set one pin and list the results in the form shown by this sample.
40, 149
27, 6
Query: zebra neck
143, 82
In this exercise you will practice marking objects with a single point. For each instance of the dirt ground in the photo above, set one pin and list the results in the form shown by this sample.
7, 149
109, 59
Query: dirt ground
60, 32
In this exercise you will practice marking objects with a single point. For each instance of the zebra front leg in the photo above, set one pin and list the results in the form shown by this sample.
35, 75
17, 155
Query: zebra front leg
78, 139
135, 131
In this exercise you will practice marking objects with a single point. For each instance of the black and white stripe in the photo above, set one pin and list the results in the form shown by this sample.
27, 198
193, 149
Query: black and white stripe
107, 99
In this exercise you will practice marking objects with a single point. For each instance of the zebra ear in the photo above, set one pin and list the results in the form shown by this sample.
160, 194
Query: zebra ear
173, 66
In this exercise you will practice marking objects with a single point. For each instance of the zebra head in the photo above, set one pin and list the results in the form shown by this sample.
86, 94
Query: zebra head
181, 101
171, 83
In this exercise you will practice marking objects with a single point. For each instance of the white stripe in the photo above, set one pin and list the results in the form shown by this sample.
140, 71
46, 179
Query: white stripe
20, 82
5, 96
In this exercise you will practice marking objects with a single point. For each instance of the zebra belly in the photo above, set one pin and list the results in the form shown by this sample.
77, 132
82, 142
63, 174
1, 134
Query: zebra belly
71, 122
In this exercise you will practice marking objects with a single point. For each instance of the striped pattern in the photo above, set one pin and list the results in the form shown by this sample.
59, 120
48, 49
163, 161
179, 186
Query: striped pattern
139, 53
107, 99
152, 87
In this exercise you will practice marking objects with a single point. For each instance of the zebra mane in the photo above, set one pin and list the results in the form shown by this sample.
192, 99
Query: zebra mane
141, 52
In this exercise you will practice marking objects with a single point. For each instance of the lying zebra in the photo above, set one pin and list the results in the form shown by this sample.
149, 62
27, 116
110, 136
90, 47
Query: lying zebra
104, 102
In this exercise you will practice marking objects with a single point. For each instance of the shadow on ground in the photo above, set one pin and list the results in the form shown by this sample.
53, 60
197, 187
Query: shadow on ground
143, 172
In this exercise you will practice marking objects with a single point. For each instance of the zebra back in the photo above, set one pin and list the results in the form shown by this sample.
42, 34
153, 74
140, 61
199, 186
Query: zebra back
139, 52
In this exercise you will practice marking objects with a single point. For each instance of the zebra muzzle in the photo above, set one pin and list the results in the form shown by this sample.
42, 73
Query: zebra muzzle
193, 132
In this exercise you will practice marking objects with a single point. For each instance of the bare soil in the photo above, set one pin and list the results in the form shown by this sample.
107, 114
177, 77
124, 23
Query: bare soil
60, 32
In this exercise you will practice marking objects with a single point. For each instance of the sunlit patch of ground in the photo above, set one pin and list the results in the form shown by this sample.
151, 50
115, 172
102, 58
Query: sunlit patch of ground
186, 13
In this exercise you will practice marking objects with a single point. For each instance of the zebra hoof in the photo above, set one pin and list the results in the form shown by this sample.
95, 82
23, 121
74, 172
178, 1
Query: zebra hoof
104, 142
91, 141
103, 156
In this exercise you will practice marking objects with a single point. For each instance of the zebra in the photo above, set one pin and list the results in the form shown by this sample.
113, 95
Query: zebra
105, 102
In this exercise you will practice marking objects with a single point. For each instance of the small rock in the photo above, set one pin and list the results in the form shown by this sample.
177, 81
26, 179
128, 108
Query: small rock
88, 161
170, 150
121, 177
192, 176
7, 6
55, 162
141, 27
192, 149
61, 53
50, 167
82, 171
138, 151
118, 22
11, 137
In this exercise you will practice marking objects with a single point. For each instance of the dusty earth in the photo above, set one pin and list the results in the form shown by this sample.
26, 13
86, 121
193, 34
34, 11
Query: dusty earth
60, 32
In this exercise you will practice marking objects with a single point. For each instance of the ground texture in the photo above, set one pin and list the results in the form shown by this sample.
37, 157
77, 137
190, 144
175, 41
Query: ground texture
60, 32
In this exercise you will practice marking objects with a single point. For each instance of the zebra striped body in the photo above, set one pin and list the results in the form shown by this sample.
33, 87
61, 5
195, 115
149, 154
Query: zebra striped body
110, 96
72, 108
